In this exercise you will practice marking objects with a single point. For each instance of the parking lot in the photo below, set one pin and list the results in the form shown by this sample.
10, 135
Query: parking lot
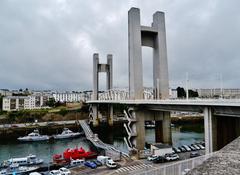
130, 166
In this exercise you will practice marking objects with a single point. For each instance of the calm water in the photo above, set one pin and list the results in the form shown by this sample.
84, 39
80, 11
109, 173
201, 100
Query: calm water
181, 134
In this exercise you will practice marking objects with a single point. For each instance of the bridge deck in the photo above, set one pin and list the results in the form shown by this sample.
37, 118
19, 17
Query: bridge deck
196, 102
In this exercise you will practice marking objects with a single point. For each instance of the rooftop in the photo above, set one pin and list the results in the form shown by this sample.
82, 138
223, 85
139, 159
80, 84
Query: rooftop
224, 162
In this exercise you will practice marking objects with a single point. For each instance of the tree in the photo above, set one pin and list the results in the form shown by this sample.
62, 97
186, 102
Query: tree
181, 92
192, 93
1, 99
51, 102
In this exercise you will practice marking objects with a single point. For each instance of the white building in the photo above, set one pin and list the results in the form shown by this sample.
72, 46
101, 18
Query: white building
15, 103
70, 97
217, 92
173, 93
5, 92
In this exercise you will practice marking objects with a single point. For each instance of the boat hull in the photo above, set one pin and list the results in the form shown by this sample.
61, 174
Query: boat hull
21, 170
67, 136
27, 139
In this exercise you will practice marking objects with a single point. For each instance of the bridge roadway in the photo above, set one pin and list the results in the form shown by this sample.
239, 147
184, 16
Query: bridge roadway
226, 107
96, 141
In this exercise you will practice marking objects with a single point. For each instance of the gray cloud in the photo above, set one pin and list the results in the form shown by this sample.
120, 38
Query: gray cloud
49, 44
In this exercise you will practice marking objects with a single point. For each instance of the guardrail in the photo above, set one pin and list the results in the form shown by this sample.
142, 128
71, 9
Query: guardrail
178, 168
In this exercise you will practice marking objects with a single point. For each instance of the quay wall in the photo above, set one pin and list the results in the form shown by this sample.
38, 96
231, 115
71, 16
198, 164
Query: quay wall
12, 133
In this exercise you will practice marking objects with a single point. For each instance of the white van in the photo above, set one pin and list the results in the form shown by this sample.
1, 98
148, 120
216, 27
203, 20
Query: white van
105, 160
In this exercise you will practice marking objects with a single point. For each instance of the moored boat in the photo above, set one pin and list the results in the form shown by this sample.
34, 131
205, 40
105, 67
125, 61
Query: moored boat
80, 153
33, 136
16, 169
74, 154
28, 161
66, 133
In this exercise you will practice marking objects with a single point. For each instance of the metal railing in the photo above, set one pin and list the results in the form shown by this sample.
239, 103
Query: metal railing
96, 141
123, 95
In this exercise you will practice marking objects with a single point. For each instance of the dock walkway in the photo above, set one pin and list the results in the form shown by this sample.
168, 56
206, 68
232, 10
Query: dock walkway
96, 141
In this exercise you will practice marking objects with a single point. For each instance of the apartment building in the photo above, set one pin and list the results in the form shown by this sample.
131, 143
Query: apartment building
15, 103
70, 96
217, 92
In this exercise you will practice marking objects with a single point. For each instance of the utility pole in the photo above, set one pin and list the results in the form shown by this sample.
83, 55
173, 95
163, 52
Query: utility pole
221, 86
187, 81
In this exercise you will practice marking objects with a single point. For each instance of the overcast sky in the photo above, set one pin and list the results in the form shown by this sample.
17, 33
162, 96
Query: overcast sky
48, 44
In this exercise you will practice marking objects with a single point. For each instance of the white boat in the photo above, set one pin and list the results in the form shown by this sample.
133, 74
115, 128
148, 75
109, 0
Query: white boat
28, 161
33, 136
16, 169
66, 133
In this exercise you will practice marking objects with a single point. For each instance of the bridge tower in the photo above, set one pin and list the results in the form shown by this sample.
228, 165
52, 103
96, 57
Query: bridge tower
154, 37
97, 68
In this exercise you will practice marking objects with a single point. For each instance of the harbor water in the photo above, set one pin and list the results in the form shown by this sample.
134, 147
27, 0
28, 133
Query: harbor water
181, 134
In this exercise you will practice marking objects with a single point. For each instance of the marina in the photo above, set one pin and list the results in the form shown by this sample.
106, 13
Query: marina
182, 134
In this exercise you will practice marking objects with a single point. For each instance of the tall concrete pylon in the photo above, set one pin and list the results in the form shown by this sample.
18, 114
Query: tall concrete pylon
155, 37
109, 84
101, 68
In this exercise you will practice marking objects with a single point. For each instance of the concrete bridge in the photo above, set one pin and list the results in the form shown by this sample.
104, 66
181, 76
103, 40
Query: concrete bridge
221, 117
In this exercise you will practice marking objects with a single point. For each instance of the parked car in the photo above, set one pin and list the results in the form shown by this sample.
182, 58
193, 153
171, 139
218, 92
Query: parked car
64, 171
182, 149
98, 163
55, 172
152, 157
159, 159
192, 148
90, 164
111, 164
186, 148
197, 148
194, 154
171, 157
200, 146
176, 150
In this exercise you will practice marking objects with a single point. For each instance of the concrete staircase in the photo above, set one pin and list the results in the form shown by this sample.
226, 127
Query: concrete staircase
130, 128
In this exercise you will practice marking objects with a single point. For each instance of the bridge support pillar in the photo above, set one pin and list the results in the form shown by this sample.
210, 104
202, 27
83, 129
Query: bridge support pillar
95, 115
163, 127
210, 130
140, 129
110, 115
227, 130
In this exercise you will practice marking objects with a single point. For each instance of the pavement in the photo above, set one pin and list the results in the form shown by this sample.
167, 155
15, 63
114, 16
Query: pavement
127, 166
